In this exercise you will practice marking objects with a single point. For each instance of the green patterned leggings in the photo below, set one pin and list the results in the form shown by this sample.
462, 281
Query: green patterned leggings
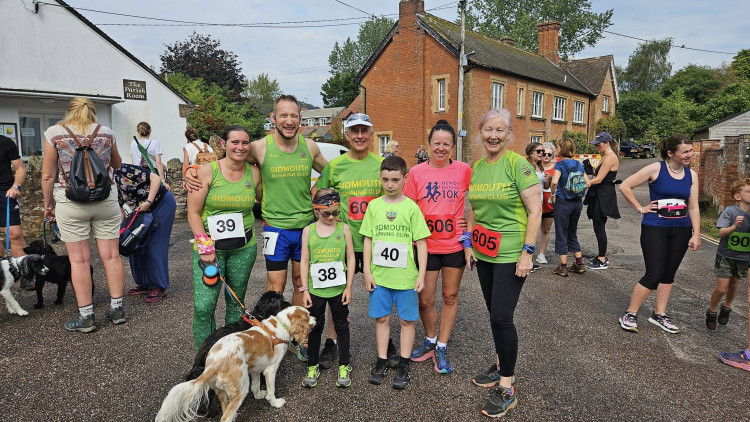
236, 266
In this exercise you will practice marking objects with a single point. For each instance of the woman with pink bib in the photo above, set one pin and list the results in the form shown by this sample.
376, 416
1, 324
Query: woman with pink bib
439, 187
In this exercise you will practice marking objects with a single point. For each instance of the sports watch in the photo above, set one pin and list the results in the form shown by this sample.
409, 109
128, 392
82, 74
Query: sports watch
527, 247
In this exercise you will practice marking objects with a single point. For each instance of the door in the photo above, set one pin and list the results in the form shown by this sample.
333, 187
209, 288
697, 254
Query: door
31, 128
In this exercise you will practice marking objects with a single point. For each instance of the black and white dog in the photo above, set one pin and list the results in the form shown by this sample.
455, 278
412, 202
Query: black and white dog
59, 271
11, 270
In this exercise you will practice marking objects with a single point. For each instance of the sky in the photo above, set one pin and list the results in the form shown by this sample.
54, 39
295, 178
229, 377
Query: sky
296, 54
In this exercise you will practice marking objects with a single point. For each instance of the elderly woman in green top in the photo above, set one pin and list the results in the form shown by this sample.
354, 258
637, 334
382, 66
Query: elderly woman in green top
221, 218
505, 216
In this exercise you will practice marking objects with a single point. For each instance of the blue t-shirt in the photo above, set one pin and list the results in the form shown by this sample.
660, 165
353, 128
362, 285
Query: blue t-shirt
565, 167
666, 187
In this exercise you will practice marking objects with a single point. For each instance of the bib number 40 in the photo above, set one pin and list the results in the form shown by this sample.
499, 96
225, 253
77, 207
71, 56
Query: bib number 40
390, 254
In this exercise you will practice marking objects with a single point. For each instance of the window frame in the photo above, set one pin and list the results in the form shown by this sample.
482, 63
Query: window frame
520, 101
605, 104
582, 113
496, 98
534, 96
559, 104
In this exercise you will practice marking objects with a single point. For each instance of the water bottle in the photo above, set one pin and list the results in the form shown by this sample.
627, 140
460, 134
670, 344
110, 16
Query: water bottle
55, 232
133, 236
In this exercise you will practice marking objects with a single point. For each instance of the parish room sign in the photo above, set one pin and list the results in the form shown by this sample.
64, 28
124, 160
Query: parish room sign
134, 90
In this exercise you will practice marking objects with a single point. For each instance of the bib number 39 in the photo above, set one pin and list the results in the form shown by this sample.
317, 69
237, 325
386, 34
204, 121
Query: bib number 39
739, 242
390, 254
327, 274
225, 226
358, 206
485, 241
441, 226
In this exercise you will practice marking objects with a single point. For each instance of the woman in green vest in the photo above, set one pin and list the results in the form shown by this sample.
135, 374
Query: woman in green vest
221, 218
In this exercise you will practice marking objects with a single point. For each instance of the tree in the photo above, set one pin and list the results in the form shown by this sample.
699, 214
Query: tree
674, 115
261, 92
637, 110
741, 64
732, 99
200, 57
698, 83
580, 27
613, 125
347, 59
648, 67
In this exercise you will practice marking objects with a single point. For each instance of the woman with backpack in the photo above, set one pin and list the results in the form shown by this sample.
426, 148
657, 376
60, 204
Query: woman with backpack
152, 149
78, 220
568, 188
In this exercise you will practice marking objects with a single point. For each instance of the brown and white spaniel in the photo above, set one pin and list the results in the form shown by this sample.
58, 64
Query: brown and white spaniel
257, 350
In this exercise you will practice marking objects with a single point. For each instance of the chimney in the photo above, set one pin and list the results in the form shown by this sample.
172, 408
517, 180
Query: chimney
508, 41
407, 9
548, 40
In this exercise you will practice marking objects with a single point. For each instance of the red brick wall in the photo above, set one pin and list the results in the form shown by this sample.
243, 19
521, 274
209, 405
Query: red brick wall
718, 167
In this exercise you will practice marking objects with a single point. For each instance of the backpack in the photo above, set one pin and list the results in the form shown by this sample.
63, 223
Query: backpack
88, 179
204, 156
575, 183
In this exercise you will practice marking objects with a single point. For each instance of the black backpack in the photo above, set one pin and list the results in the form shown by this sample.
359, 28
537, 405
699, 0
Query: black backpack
88, 179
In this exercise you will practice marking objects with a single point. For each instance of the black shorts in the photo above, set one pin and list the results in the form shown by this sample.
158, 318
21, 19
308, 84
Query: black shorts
439, 260
550, 214
359, 259
15, 212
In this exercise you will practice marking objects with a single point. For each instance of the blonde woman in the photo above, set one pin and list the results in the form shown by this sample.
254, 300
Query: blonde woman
549, 158
391, 148
79, 220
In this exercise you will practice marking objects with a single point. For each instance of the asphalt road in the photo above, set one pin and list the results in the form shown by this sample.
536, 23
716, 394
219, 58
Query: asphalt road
575, 363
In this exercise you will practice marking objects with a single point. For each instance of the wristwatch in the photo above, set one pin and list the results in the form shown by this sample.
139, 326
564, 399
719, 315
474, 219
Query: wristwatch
19, 187
527, 247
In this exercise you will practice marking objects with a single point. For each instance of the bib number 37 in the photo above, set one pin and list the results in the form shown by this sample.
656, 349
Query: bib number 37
390, 254
485, 241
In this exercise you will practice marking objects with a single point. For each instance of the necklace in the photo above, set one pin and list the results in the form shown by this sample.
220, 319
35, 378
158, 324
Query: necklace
682, 168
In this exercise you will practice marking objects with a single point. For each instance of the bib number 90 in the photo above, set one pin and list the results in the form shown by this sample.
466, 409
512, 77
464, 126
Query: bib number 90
739, 242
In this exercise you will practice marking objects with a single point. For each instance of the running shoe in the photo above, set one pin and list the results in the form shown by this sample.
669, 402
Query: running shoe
116, 315
345, 377
541, 259
629, 322
662, 321
81, 324
500, 402
442, 364
401, 379
738, 360
535, 267
377, 375
313, 373
595, 264
561, 271
156, 295
724, 314
577, 268
711, 319
138, 290
425, 351
329, 354
488, 378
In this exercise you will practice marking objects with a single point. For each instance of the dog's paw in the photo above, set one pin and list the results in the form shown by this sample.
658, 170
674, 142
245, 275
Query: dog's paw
277, 403
260, 394
21, 312
38, 305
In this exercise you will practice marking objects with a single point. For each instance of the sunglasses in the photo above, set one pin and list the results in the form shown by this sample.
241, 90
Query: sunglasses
358, 116
326, 214
548, 154
539, 151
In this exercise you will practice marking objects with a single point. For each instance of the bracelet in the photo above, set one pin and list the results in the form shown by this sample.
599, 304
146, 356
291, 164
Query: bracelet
148, 200
50, 209
302, 288
465, 239
204, 244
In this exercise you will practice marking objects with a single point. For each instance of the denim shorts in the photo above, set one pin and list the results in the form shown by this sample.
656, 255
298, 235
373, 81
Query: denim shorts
382, 300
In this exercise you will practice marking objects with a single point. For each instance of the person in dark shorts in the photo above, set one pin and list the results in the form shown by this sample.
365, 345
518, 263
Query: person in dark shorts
11, 184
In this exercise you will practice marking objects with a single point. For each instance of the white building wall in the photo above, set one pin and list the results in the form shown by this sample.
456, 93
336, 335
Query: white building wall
738, 125
56, 52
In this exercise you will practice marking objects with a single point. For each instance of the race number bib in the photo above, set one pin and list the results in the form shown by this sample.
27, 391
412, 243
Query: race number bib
327, 274
485, 241
225, 226
442, 226
739, 242
390, 254
269, 242
671, 208
358, 206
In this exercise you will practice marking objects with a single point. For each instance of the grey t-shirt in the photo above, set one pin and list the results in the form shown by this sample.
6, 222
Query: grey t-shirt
737, 244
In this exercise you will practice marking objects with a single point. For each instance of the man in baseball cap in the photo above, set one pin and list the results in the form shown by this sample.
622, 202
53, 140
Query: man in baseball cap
357, 119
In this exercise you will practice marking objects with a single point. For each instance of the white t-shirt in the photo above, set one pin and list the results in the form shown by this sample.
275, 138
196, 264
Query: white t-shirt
152, 146
196, 147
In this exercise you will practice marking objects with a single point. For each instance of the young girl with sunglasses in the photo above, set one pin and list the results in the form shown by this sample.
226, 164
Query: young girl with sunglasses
327, 270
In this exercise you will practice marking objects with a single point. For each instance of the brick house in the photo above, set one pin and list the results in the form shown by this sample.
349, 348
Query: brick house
314, 124
411, 81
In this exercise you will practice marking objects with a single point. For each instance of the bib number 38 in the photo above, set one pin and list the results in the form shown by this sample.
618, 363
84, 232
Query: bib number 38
485, 241
327, 274
390, 254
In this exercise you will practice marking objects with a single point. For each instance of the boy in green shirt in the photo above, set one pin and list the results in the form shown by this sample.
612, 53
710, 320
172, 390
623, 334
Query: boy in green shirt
392, 222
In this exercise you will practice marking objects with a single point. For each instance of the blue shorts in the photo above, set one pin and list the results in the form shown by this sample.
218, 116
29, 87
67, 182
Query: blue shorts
382, 300
288, 244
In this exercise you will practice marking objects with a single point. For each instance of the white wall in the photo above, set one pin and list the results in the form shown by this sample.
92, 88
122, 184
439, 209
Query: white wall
738, 125
54, 51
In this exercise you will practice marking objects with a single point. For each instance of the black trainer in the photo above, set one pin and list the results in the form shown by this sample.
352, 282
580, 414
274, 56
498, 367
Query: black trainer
724, 313
401, 380
377, 375
711, 319
329, 354
393, 355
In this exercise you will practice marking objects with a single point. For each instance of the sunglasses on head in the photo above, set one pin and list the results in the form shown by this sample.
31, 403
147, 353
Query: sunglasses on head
548, 154
326, 214
358, 116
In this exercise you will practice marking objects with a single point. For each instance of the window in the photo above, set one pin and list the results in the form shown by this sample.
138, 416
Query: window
497, 95
537, 104
578, 112
520, 101
322, 121
441, 95
536, 138
383, 141
267, 126
605, 104
558, 108
310, 122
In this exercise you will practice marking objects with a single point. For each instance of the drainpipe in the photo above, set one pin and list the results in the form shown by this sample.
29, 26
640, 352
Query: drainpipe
461, 58
364, 98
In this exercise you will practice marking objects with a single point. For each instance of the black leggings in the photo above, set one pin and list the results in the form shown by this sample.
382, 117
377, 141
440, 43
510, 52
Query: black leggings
601, 234
340, 313
501, 289
663, 249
